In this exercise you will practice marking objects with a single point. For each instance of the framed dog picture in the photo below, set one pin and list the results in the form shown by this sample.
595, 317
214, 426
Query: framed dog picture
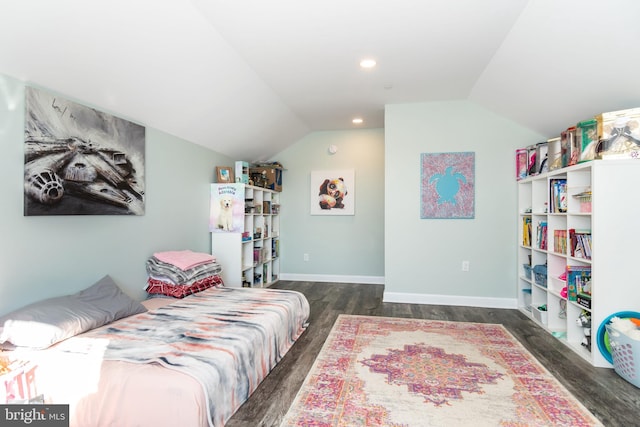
224, 174
333, 192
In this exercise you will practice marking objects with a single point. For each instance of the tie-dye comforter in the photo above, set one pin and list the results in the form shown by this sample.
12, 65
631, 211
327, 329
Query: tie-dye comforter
229, 339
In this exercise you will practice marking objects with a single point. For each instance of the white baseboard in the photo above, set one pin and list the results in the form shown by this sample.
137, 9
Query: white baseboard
369, 280
404, 297
486, 302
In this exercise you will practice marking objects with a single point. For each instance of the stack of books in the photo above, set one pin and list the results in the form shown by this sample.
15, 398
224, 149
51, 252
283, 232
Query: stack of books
558, 195
580, 243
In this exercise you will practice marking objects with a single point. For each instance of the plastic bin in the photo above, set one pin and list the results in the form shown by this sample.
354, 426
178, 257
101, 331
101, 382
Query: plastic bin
540, 275
526, 299
540, 315
527, 271
625, 352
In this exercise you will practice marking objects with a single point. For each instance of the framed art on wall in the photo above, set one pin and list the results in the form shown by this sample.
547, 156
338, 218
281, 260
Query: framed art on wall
80, 161
447, 185
224, 174
333, 192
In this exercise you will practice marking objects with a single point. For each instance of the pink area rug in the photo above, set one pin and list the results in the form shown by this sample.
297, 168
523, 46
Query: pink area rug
380, 371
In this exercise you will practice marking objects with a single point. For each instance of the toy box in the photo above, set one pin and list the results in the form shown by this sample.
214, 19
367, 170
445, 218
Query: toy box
542, 164
554, 153
242, 172
619, 134
267, 176
531, 166
570, 150
587, 139
522, 161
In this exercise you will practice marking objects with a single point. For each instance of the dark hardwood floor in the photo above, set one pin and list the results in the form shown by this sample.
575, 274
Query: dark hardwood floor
610, 398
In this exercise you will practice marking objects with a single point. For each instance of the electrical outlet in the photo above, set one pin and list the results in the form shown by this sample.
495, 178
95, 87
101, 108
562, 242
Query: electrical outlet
465, 265
305, 257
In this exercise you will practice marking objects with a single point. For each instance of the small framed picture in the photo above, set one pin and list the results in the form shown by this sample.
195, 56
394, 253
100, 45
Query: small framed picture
224, 174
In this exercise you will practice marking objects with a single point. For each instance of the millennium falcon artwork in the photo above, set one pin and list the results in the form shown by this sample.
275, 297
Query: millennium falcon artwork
79, 161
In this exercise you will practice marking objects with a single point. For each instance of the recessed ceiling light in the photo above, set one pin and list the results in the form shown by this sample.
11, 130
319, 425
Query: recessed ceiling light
368, 63
357, 121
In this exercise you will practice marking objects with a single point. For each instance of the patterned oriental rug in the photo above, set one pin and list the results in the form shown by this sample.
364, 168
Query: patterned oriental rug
380, 371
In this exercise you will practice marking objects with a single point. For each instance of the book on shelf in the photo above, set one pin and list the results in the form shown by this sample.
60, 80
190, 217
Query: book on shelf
257, 256
584, 301
578, 281
560, 241
526, 231
558, 195
580, 243
541, 233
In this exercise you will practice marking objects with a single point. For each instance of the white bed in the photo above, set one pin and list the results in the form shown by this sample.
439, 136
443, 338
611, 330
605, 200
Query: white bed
186, 362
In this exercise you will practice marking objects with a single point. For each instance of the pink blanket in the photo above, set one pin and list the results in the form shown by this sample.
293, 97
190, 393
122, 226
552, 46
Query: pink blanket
184, 260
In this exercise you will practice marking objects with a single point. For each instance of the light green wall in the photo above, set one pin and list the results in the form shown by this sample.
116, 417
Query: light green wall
424, 256
47, 256
384, 242
338, 246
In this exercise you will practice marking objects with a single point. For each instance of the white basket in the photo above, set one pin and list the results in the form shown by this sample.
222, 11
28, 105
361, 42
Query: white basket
540, 315
626, 355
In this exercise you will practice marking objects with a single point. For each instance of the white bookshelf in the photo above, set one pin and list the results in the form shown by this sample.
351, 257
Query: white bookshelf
253, 260
613, 221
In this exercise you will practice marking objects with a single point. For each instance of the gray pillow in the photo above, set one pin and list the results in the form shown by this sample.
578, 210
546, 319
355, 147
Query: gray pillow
44, 323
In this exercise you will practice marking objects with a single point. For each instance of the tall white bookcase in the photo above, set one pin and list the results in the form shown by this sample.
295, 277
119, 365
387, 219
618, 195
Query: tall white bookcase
613, 220
249, 253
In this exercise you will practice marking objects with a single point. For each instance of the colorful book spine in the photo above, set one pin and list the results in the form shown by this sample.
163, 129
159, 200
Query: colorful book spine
578, 281
558, 195
560, 241
526, 231
541, 233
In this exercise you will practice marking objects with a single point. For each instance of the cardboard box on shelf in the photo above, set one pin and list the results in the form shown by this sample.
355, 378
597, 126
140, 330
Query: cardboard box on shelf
271, 175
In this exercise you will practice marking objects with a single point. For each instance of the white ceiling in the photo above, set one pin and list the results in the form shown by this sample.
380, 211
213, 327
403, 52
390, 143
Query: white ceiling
247, 78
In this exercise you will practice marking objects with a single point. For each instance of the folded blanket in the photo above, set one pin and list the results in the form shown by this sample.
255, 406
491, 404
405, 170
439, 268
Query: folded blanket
184, 260
170, 273
158, 287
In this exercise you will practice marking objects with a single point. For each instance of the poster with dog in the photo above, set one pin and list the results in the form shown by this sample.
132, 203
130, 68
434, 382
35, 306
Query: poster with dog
227, 208
333, 192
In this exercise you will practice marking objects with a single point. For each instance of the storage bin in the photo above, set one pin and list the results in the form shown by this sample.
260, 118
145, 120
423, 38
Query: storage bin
540, 275
540, 315
526, 299
527, 271
626, 355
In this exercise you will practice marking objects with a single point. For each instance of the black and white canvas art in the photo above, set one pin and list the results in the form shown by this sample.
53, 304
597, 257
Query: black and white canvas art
80, 161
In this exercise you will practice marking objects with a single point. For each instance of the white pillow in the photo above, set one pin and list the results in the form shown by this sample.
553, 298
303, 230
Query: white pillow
44, 323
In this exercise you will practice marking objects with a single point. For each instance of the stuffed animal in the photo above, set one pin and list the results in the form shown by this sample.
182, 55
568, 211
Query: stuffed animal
584, 320
332, 192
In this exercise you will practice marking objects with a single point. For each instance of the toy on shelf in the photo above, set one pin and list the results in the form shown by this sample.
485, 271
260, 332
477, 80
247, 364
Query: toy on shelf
584, 321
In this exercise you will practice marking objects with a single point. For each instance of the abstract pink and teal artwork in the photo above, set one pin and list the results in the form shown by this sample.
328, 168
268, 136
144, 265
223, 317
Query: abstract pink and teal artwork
447, 185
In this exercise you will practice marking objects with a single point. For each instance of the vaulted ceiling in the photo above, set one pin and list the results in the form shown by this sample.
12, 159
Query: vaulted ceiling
247, 78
